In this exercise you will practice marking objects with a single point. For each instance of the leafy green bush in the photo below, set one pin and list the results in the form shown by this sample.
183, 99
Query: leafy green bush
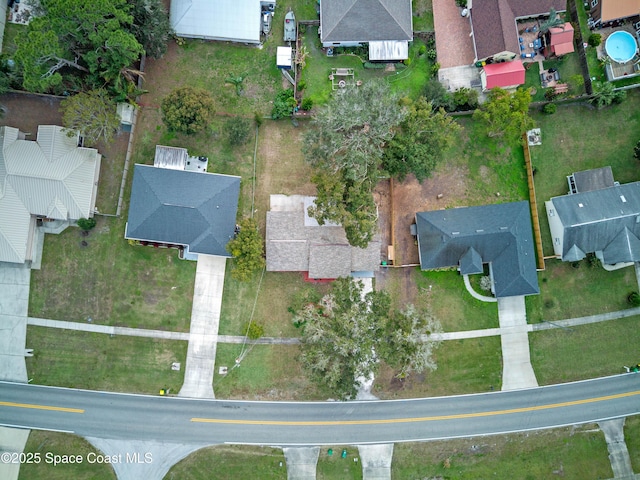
302, 85
86, 224
422, 50
465, 99
634, 299
253, 330
432, 54
284, 104
307, 103
636, 151
550, 108
187, 110
237, 130
595, 39
407, 62
377, 66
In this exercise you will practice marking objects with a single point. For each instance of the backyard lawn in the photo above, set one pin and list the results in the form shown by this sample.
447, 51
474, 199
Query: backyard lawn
586, 351
96, 361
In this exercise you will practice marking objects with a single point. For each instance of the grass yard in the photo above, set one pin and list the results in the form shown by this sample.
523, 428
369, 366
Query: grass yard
422, 15
96, 361
267, 372
464, 366
334, 467
111, 281
573, 453
55, 443
231, 461
632, 439
579, 138
11, 31
569, 292
587, 351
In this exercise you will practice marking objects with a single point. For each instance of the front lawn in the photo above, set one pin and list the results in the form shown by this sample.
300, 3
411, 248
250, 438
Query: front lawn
586, 351
96, 361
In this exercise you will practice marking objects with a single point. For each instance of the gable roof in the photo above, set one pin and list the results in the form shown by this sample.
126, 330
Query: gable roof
194, 209
227, 20
505, 74
365, 20
500, 234
615, 9
605, 220
297, 243
51, 177
494, 22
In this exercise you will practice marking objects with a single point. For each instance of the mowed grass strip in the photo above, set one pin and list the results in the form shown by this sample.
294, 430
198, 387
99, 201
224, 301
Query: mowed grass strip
111, 282
632, 439
334, 467
49, 444
464, 366
573, 453
96, 361
570, 290
265, 372
586, 351
231, 461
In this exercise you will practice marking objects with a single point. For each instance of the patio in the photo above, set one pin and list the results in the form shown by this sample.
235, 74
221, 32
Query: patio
531, 46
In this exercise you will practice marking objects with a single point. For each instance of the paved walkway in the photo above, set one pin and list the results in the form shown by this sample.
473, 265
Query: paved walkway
517, 371
376, 461
205, 320
476, 295
618, 453
301, 462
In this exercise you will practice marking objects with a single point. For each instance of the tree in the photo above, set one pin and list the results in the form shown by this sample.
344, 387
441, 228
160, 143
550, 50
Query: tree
505, 115
88, 39
247, 249
187, 110
346, 334
604, 94
552, 22
93, 114
419, 143
151, 26
345, 146
435, 93
86, 224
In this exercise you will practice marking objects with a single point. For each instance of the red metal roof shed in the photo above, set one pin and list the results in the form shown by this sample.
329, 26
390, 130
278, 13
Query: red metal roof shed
505, 74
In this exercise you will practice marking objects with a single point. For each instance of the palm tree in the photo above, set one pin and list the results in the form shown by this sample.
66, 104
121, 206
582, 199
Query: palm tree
553, 21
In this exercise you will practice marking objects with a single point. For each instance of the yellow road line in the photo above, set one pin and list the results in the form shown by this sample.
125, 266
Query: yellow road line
41, 407
419, 419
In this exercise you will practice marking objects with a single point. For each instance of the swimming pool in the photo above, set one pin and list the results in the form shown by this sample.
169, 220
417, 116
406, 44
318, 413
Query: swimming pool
621, 46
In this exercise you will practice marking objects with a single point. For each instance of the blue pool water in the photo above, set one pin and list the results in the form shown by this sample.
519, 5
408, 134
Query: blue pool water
621, 46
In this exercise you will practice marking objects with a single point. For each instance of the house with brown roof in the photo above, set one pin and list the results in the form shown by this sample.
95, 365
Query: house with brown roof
605, 12
295, 242
494, 25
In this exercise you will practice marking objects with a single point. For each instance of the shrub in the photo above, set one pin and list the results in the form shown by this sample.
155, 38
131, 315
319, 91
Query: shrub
422, 50
257, 117
378, 66
86, 224
595, 39
550, 94
187, 110
550, 108
307, 103
302, 85
485, 283
465, 98
237, 130
634, 299
407, 62
434, 69
253, 330
461, 3
432, 54
283, 105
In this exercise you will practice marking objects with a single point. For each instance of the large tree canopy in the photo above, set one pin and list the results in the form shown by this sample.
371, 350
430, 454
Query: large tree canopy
187, 109
505, 115
91, 37
347, 333
423, 136
151, 26
247, 249
93, 114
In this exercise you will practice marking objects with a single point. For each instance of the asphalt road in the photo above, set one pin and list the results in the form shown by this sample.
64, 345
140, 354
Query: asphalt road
180, 420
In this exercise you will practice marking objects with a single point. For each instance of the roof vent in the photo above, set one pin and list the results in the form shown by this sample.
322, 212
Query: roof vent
455, 233
580, 205
479, 230
624, 200
504, 228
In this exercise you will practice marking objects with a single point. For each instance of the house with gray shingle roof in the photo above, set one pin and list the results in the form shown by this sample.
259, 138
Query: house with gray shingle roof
604, 220
386, 25
49, 179
297, 243
468, 238
194, 211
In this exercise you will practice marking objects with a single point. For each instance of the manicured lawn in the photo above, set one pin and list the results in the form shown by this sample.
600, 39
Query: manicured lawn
587, 351
54, 443
464, 366
334, 467
569, 292
230, 461
579, 138
632, 439
569, 453
97, 361
266, 372
111, 281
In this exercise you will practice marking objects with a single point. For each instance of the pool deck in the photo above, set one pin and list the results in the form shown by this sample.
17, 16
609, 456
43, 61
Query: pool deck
615, 70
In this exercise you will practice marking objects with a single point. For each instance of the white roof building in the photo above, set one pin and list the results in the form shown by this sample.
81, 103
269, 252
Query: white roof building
227, 20
50, 178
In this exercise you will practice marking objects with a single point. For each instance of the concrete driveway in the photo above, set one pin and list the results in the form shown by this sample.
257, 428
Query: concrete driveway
14, 305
